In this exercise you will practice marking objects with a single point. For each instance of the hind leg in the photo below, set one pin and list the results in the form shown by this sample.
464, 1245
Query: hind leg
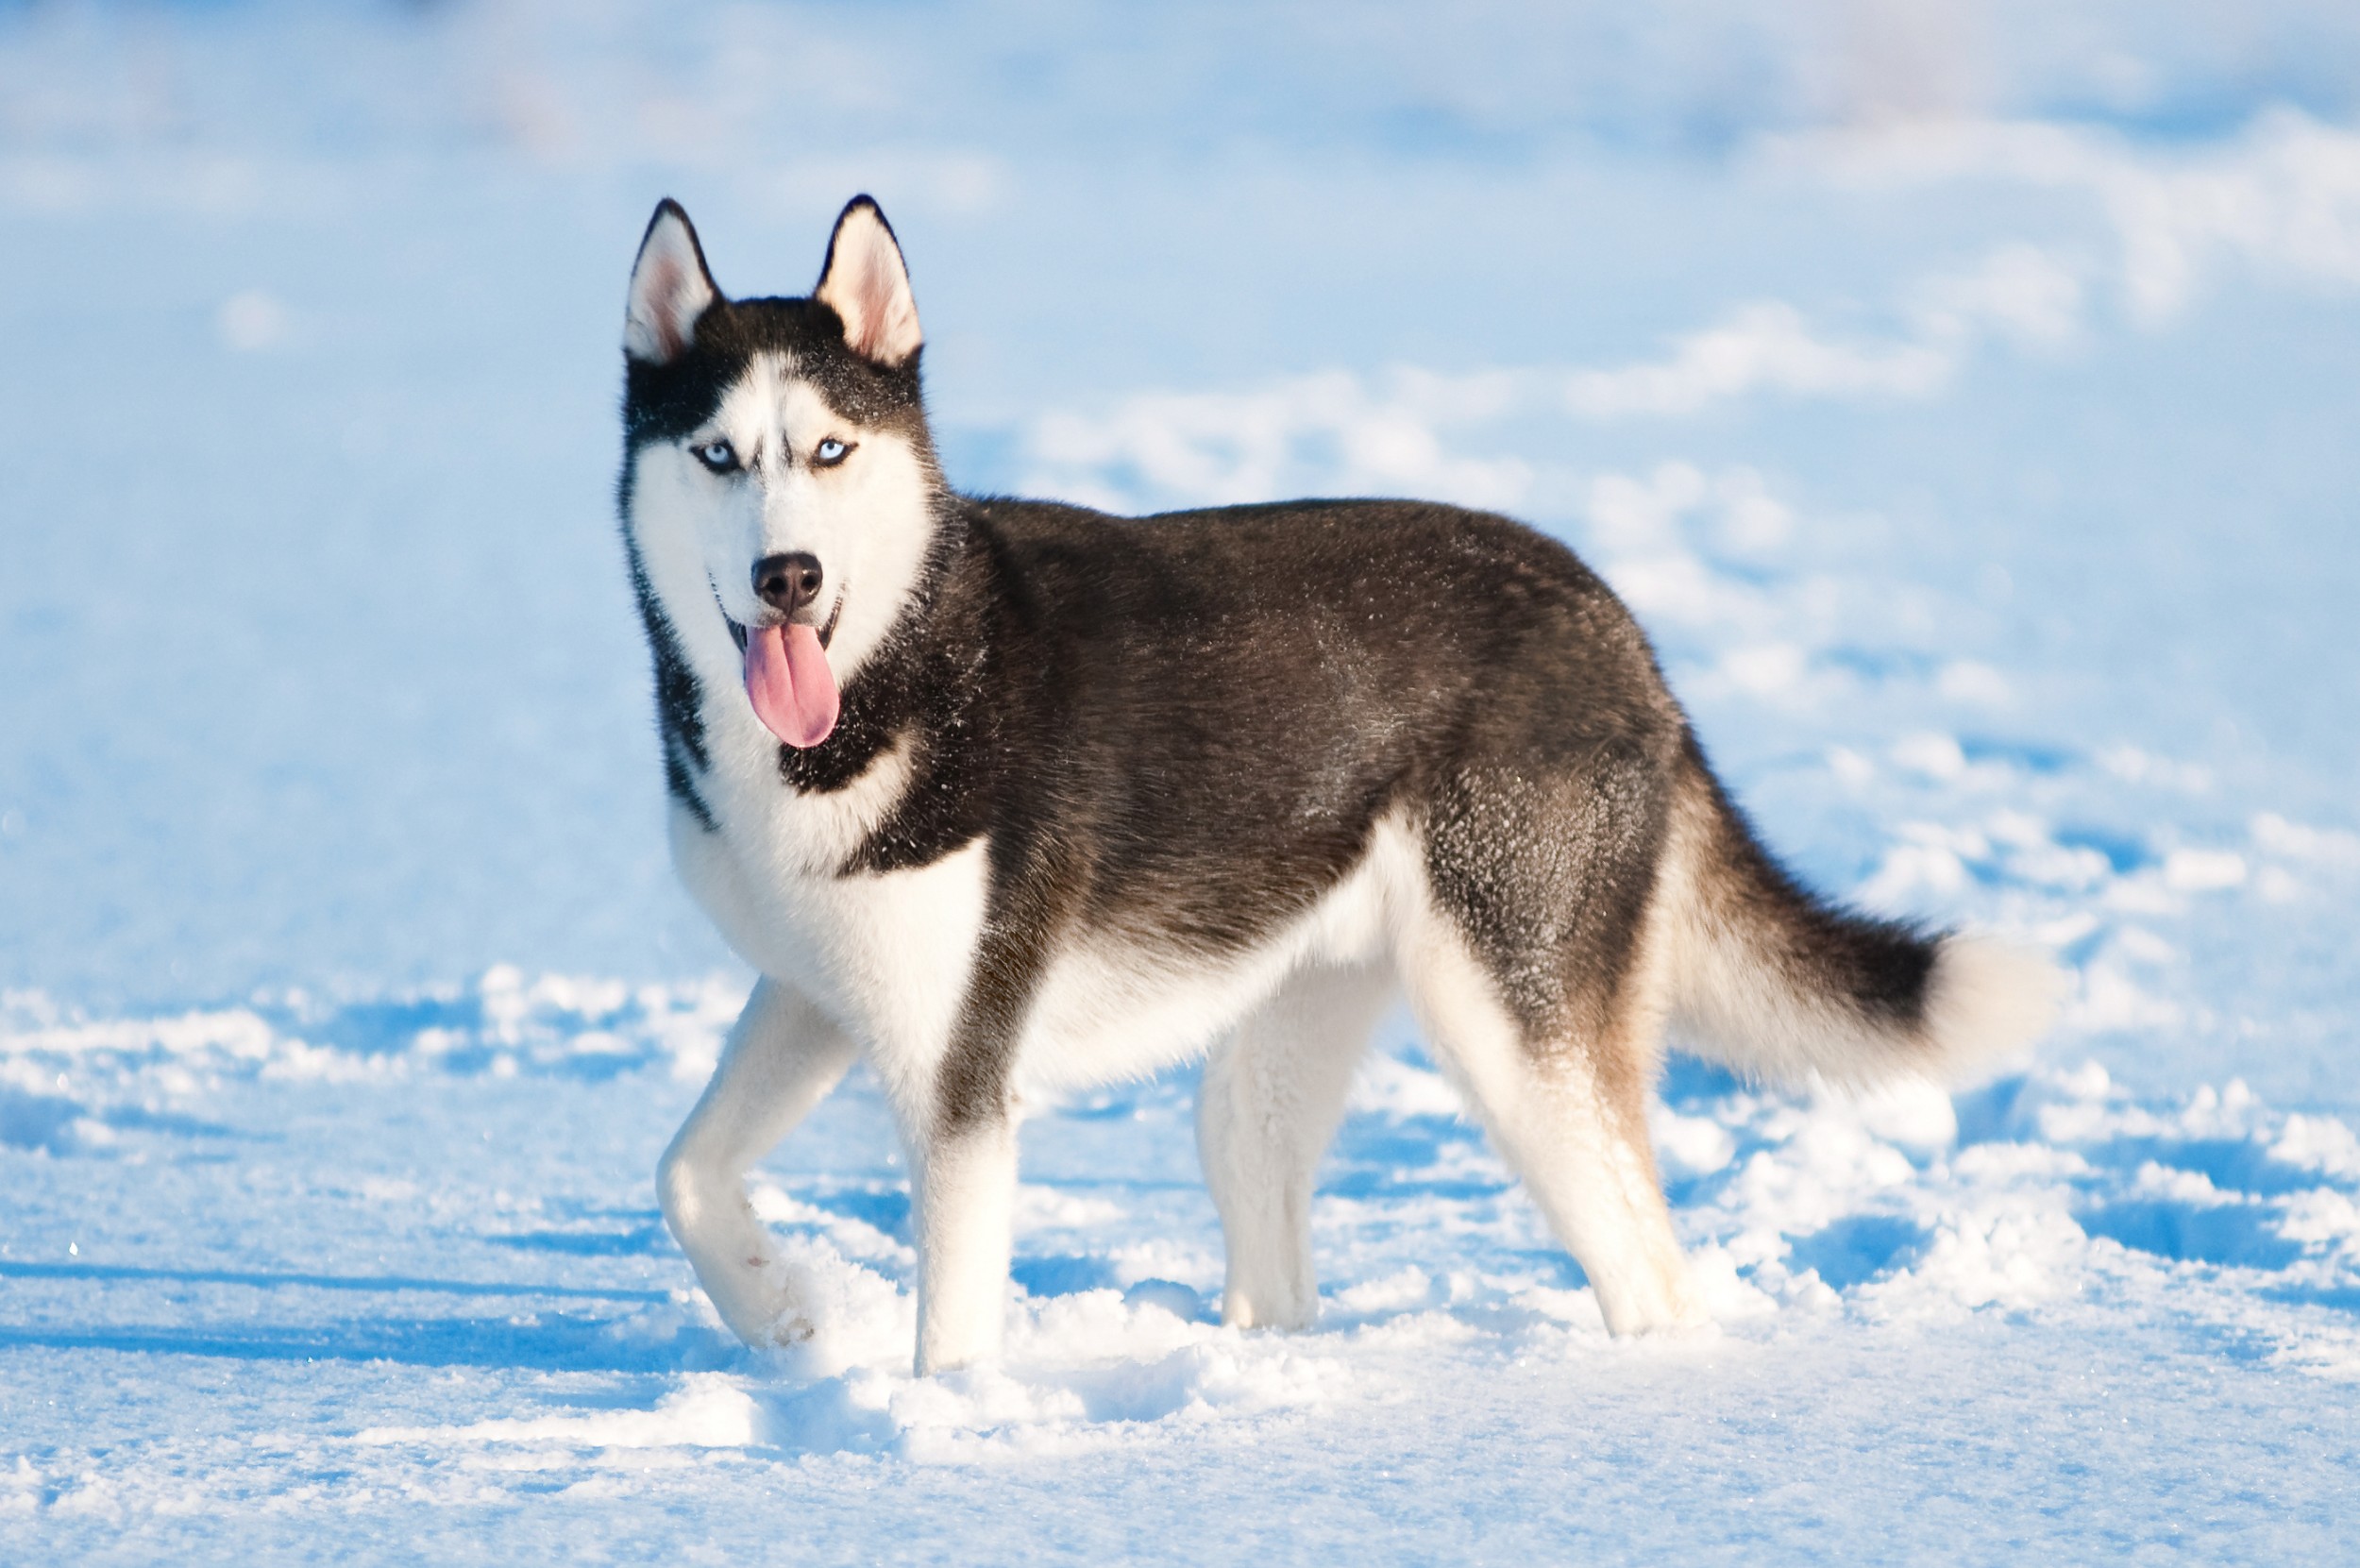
782, 1059
1570, 1117
1271, 1098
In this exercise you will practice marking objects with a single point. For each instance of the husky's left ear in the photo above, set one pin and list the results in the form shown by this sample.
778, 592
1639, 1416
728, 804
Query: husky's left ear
669, 288
865, 282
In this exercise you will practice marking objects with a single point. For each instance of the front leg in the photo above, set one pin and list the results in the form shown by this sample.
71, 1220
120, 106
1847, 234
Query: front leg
964, 1189
782, 1059
957, 1107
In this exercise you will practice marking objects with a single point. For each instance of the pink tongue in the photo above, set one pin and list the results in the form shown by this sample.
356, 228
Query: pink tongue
790, 684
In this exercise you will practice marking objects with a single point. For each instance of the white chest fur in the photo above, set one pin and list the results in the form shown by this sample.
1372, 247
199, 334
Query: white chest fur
886, 954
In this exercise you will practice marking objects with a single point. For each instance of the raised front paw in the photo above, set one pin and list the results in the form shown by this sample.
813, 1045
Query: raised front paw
757, 1298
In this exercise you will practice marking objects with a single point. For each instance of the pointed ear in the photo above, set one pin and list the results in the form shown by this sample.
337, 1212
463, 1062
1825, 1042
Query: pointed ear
866, 283
669, 288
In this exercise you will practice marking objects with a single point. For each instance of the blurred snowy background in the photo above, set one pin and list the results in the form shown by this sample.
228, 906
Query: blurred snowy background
1965, 396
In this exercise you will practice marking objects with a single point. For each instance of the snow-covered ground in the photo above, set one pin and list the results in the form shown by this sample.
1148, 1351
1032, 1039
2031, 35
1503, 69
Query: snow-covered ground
1964, 401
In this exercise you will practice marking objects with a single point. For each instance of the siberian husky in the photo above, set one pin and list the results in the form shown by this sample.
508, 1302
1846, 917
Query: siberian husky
1009, 798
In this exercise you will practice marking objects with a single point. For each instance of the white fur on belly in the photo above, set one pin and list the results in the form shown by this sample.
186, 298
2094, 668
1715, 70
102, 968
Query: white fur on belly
1110, 1009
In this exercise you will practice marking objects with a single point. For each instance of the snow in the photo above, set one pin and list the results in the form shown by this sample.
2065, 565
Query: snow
1963, 403
408, 1283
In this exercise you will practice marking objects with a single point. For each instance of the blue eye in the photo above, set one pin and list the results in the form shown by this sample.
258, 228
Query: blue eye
720, 456
831, 452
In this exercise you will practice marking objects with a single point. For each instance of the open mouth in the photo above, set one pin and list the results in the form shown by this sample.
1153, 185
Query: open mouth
826, 631
787, 679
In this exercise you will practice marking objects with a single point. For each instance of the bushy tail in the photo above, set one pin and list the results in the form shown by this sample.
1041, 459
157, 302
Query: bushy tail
1778, 985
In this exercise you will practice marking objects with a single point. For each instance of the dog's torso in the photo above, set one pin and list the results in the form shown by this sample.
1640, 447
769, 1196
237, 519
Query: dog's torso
1191, 752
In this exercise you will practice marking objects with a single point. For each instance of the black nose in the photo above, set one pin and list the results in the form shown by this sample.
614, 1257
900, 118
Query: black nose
787, 583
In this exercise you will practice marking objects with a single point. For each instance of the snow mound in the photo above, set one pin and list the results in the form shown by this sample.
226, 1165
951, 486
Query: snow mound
503, 1025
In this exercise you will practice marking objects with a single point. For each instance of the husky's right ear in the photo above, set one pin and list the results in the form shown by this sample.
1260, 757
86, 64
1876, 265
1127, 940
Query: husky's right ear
669, 288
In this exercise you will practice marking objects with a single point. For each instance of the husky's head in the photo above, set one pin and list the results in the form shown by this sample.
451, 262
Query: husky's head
779, 486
